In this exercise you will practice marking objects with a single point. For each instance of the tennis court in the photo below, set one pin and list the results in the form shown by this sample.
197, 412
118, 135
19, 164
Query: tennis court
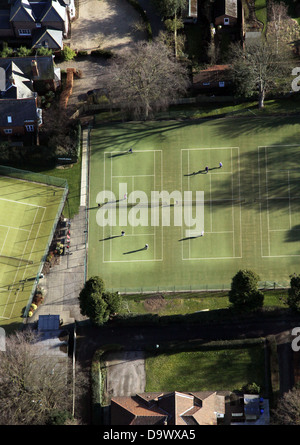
28, 212
247, 208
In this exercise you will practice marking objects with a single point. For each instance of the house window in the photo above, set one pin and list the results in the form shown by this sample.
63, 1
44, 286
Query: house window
226, 21
8, 130
9, 119
29, 128
24, 32
38, 25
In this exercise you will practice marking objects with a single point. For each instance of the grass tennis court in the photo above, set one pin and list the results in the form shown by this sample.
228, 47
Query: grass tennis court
251, 205
28, 211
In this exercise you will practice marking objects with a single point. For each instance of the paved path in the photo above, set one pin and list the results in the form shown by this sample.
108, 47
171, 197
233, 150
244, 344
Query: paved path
66, 279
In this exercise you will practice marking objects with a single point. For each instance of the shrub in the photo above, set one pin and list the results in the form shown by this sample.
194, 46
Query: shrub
68, 53
107, 54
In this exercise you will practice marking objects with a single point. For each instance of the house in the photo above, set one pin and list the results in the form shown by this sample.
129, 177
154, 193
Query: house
225, 12
24, 77
189, 408
39, 72
214, 79
191, 12
19, 117
38, 22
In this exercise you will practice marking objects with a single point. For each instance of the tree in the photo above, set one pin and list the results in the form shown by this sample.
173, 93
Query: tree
96, 303
244, 294
287, 411
172, 9
293, 299
258, 69
34, 385
145, 79
281, 27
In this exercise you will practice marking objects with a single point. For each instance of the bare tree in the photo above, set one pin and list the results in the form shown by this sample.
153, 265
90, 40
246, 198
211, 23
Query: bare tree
281, 27
145, 79
33, 384
258, 69
287, 411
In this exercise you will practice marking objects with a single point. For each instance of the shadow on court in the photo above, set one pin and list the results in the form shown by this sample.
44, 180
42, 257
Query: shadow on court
201, 172
189, 237
110, 237
134, 251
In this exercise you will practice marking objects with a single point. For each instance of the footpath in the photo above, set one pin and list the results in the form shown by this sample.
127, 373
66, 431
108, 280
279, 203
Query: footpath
65, 280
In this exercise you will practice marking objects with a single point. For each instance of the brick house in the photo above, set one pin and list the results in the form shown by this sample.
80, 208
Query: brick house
24, 76
188, 408
38, 22
191, 12
226, 12
214, 79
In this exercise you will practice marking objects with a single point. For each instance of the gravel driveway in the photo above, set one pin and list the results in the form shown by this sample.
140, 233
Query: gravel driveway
108, 24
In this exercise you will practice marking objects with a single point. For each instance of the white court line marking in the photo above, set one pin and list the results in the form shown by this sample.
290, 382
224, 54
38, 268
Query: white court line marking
29, 234
4, 241
14, 228
267, 195
23, 203
210, 202
132, 179
289, 193
33, 244
131, 176
289, 198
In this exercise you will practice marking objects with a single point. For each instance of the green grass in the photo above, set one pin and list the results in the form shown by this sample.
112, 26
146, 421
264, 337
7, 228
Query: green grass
261, 12
205, 370
72, 174
27, 214
260, 232
188, 303
273, 107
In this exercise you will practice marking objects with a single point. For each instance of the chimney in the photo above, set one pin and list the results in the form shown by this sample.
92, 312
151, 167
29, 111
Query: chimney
34, 68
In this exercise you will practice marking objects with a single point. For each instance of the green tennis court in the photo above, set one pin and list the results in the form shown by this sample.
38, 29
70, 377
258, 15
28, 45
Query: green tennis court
161, 195
28, 211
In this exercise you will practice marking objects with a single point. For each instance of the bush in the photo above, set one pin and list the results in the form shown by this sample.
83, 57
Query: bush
107, 54
68, 53
244, 294
81, 53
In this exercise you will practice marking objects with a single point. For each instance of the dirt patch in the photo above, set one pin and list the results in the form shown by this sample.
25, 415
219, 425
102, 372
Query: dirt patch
125, 373
155, 303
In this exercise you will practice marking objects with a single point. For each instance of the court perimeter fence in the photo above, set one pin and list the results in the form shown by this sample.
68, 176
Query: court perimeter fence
225, 287
47, 180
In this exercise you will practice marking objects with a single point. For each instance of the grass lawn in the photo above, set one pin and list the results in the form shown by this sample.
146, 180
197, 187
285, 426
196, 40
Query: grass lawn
188, 303
209, 370
251, 205
27, 214
261, 12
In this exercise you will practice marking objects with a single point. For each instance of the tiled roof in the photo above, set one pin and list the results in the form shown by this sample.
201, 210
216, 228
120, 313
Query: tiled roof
20, 110
45, 65
174, 408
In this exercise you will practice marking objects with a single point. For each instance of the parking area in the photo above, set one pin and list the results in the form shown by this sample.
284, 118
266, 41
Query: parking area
106, 24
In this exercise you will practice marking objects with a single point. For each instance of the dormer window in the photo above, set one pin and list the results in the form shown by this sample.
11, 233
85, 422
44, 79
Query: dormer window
9, 119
